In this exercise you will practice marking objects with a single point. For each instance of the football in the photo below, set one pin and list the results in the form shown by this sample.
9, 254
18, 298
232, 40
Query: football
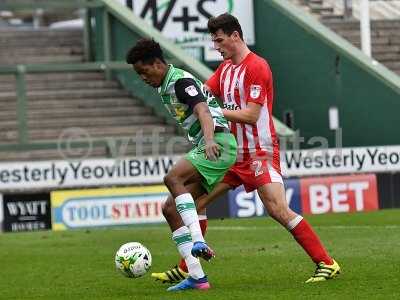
133, 260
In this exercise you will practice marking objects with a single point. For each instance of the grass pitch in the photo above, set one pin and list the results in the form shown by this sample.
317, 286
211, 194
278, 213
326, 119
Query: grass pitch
256, 259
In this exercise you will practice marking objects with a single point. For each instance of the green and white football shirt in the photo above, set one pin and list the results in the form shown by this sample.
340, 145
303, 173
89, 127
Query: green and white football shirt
180, 92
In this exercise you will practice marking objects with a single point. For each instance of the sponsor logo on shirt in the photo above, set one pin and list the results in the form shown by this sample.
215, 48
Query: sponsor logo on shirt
231, 106
229, 96
180, 112
255, 91
237, 84
191, 90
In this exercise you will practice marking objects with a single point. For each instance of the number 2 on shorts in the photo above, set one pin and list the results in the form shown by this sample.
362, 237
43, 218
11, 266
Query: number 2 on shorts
257, 164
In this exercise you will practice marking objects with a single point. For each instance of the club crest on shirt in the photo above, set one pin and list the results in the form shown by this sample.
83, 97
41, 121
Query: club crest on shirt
191, 90
255, 91
237, 84
229, 97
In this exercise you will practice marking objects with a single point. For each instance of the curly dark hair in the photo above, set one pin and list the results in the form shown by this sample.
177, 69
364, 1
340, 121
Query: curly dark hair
226, 22
146, 51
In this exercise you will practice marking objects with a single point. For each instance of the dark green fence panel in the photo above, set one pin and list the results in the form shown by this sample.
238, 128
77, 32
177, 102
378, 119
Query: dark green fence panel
121, 39
314, 70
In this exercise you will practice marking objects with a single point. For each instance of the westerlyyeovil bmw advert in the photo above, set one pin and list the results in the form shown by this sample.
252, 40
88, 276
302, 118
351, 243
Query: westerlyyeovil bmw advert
59, 174
341, 160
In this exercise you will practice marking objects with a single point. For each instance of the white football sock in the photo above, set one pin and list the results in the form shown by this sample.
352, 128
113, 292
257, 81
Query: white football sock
184, 243
187, 209
202, 217
293, 223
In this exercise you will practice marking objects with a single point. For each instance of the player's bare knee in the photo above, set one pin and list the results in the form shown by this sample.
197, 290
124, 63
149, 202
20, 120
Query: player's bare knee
167, 209
166, 180
170, 180
164, 209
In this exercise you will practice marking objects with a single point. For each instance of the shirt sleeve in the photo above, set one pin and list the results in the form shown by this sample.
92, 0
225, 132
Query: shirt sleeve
188, 92
256, 83
213, 82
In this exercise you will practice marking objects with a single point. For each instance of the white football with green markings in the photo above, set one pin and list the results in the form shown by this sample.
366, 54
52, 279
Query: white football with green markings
133, 259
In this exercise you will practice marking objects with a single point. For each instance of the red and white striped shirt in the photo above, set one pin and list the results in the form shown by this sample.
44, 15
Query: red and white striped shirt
237, 85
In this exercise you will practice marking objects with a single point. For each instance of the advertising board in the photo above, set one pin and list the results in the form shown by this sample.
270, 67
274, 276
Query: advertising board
107, 207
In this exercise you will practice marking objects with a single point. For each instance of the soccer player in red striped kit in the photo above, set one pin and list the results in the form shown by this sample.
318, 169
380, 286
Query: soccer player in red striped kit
244, 83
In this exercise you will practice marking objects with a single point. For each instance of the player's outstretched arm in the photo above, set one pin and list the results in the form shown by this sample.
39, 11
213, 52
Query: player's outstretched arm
207, 125
248, 115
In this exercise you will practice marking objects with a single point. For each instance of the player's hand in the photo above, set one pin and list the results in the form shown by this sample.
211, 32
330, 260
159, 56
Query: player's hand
212, 150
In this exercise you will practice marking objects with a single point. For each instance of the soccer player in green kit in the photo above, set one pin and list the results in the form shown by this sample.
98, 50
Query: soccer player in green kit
214, 151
